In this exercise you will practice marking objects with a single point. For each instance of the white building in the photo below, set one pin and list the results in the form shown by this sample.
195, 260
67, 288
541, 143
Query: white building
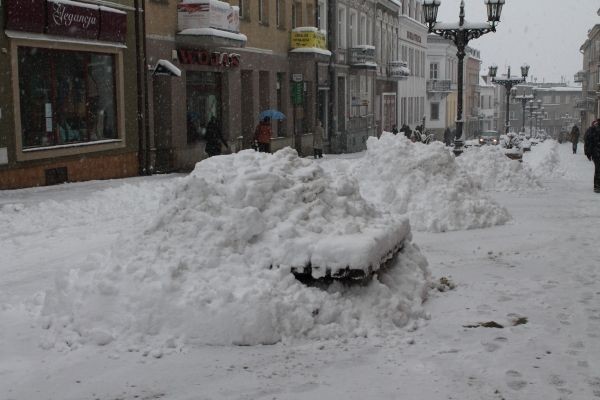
442, 72
412, 48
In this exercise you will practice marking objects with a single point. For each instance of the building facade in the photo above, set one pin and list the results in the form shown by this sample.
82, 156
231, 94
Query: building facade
69, 91
471, 90
589, 77
236, 60
442, 76
413, 50
488, 103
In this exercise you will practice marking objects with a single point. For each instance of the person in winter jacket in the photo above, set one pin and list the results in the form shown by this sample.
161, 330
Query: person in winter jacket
592, 150
214, 138
262, 135
406, 130
394, 129
318, 140
575, 138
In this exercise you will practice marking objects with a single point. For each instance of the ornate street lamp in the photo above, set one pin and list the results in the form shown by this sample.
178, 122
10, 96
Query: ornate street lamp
523, 98
461, 34
508, 83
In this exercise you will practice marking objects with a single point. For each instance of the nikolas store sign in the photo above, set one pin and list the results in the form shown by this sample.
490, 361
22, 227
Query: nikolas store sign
67, 18
209, 58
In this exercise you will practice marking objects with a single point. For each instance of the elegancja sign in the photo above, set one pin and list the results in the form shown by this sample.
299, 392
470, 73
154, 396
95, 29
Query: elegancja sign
61, 16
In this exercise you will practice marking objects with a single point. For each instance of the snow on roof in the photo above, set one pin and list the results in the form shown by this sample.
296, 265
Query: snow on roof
311, 50
214, 32
168, 66
466, 25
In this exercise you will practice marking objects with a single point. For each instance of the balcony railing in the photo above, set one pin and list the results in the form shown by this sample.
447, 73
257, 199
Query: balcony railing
439, 85
362, 57
580, 76
585, 104
398, 70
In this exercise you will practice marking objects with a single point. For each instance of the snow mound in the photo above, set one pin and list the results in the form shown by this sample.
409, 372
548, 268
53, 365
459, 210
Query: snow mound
425, 182
214, 266
493, 170
544, 160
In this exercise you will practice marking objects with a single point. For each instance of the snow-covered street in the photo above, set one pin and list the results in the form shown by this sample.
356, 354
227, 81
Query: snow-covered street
535, 275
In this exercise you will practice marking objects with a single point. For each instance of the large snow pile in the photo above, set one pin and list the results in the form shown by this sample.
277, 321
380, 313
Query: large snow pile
544, 159
214, 266
489, 166
425, 182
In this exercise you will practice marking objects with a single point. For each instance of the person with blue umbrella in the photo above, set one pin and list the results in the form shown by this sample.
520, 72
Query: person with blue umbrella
262, 135
272, 114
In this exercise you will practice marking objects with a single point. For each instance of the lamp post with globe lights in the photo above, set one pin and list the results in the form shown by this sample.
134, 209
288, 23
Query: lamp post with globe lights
532, 106
508, 83
524, 99
460, 34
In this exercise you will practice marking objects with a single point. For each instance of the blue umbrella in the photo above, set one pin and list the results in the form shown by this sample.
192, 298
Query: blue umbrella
273, 114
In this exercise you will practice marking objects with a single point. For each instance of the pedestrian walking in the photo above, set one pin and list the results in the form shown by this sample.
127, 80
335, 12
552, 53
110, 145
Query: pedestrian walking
592, 150
447, 136
318, 140
262, 135
214, 138
575, 138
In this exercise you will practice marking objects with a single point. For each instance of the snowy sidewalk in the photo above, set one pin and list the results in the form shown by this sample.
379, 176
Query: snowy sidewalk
543, 265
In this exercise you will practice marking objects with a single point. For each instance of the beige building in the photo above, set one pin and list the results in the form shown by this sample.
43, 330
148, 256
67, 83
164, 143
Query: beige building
471, 93
236, 60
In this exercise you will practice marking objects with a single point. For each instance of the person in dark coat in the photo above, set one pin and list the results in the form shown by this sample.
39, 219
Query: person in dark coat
214, 138
394, 129
575, 138
406, 130
448, 137
592, 150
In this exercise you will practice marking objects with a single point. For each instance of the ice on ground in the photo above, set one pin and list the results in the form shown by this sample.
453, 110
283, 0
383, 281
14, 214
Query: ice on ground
425, 182
493, 170
544, 160
214, 266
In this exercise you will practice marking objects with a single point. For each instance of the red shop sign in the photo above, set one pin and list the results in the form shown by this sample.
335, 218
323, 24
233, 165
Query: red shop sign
209, 58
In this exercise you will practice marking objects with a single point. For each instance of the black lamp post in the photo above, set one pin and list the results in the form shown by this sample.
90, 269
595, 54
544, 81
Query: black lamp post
524, 99
461, 34
508, 83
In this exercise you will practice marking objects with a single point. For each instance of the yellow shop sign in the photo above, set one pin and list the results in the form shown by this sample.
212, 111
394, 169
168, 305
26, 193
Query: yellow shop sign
308, 39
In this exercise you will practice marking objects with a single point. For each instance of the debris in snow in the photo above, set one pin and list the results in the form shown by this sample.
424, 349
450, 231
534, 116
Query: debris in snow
489, 324
444, 284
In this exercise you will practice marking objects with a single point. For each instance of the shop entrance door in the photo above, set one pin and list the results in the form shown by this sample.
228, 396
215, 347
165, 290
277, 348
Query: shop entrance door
203, 91
388, 111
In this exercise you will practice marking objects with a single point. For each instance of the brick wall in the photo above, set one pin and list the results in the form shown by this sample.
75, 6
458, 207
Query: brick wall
82, 169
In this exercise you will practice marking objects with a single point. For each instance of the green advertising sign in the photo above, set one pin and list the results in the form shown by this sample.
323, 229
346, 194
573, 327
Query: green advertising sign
297, 93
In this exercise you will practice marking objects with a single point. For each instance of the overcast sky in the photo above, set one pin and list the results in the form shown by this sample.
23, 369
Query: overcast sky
546, 34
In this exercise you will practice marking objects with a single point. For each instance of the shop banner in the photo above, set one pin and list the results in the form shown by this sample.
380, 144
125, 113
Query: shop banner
198, 14
308, 39
26, 15
69, 18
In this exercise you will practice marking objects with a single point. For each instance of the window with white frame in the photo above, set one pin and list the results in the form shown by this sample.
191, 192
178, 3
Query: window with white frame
242, 7
363, 29
433, 71
353, 28
342, 27
322, 16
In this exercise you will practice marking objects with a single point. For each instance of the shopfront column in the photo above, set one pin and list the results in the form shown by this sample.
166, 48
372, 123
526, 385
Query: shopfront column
232, 107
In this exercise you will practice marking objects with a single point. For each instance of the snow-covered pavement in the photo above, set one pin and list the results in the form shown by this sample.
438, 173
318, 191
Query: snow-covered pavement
537, 276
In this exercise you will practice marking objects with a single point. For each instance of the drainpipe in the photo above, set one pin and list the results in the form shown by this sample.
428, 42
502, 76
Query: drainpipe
147, 148
331, 43
139, 91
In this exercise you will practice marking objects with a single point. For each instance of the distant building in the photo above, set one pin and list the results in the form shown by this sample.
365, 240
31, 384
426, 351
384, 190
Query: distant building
441, 70
589, 77
471, 92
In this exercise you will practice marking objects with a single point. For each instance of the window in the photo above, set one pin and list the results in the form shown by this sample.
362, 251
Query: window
363, 29
262, 12
294, 15
322, 16
242, 6
278, 11
203, 101
434, 113
433, 71
342, 28
353, 29
66, 97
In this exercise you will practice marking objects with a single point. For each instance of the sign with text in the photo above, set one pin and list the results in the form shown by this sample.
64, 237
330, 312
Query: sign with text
209, 58
297, 93
308, 39
198, 14
68, 18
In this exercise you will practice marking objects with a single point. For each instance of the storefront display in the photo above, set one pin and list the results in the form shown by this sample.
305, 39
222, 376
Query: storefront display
66, 96
203, 90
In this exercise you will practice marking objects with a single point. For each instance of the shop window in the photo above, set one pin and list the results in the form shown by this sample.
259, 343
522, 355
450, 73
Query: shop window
203, 94
66, 97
